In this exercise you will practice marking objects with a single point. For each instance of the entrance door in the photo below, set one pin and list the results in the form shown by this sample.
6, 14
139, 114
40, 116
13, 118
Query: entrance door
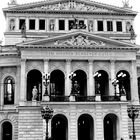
6, 131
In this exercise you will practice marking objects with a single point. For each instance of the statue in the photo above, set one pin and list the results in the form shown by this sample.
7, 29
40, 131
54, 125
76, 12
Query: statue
23, 29
52, 25
12, 25
76, 88
132, 33
34, 93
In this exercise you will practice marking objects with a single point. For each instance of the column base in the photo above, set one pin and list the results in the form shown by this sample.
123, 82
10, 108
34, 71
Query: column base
98, 98
123, 97
72, 98
46, 98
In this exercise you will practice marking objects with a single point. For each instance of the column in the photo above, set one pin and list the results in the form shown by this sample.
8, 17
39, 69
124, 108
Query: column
36, 24
86, 23
46, 70
95, 26
114, 26
66, 25
56, 24
27, 24
23, 80
47, 25
7, 24
67, 80
123, 26
112, 74
16, 24
105, 25
134, 84
90, 80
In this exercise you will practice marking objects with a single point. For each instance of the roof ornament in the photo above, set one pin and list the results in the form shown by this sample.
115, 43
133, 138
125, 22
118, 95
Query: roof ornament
126, 4
12, 3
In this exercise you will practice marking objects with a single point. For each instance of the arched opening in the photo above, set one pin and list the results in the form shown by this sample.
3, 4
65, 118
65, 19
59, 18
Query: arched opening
59, 127
101, 84
9, 90
123, 87
6, 131
110, 127
57, 85
85, 127
34, 79
81, 80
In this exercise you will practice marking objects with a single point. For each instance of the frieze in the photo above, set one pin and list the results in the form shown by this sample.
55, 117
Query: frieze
72, 5
79, 41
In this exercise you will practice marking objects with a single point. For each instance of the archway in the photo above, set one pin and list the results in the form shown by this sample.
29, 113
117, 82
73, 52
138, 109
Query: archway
6, 131
34, 78
124, 83
81, 79
59, 127
85, 127
110, 127
101, 84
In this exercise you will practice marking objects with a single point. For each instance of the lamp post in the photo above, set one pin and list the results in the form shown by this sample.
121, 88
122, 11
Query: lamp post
46, 82
133, 113
47, 114
71, 76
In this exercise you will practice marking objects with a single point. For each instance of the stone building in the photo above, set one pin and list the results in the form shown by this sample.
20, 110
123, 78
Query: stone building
87, 49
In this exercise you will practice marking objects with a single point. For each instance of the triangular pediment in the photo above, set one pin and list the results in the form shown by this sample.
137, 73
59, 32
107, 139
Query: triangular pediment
68, 5
76, 39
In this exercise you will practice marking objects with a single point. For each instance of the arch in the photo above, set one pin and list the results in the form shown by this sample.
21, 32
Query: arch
123, 88
34, 78
85, 127
111, 129
57, 84
9, 90
59, 129
6, 131
101, 83
80, 84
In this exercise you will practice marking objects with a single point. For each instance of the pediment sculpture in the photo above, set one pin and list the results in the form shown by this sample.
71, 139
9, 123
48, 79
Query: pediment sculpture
72, 5
79, 41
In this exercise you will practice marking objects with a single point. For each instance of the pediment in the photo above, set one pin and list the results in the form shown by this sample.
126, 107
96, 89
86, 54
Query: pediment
77, 39
70, 5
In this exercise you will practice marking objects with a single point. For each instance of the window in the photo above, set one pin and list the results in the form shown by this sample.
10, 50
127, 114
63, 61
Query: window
61, 24
41, 24
100, 25
109, 26
119, 26
31, 24
9, 89
21, 22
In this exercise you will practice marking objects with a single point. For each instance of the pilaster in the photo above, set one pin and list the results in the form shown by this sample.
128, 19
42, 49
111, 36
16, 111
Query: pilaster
27, 24
67, 80
134, 84
112, 74
90, 80
36, 24
95, 25
105, 25
123, 26
23, 80
56, 25
114, 26
66, 25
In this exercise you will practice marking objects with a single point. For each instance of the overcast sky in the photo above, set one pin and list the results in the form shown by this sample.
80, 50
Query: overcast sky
134, 3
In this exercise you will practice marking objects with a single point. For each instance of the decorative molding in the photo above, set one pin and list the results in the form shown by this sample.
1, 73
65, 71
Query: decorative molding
73, 6
79, 41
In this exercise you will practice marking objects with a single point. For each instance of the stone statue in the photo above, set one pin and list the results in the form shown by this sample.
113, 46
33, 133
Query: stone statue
12, 25
23, 29
51, 25
132, 33
34, 93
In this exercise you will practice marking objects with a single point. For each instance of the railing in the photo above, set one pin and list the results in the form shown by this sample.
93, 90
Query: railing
59, 98
110, 98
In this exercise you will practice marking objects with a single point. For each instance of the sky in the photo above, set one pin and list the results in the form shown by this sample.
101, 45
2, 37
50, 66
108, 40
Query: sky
134, 3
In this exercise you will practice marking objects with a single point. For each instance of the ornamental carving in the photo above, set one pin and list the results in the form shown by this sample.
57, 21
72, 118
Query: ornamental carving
72, 5
79, 41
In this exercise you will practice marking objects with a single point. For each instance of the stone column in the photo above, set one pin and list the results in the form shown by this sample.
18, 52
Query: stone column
16, 24
112, 74
90, 80
36, 24
114, 26
23, 81
27, 24
67, 80
134, 84
66, 25
123, 26
104, 25
47, 25
95, 26
56, 22
86, 23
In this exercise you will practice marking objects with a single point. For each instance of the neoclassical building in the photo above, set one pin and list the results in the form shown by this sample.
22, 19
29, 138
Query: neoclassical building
87, 51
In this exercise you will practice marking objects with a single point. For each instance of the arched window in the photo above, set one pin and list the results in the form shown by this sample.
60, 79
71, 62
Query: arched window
9, 90
6, 129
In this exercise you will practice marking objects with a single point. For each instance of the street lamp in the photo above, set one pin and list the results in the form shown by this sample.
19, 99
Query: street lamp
71, 76
133, 113
46, 81
47, 114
